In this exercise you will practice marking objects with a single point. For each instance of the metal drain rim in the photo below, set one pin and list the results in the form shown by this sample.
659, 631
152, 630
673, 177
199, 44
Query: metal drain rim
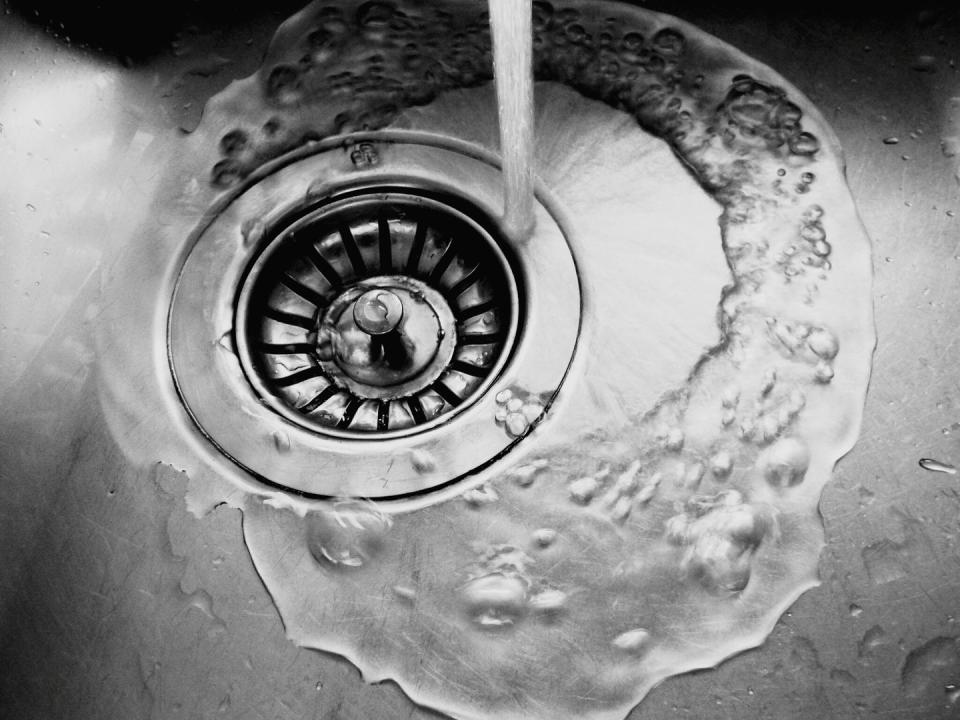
430, 200
325, 471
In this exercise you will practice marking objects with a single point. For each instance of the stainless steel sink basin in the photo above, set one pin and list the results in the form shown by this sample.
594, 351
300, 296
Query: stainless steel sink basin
131, 585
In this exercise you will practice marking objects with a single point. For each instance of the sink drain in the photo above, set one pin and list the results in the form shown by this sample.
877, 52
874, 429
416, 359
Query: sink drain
345, 329
378, 313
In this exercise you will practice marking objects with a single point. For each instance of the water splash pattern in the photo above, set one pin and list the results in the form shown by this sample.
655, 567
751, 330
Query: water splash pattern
575, 581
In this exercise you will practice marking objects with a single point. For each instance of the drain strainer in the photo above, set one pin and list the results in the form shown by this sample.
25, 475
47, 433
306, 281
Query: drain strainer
346, 330
382, 312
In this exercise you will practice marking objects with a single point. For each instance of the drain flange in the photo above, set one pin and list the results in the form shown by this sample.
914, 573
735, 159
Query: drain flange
330, 326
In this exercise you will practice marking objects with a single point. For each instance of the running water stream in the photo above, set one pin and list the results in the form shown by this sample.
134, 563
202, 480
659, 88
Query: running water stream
512, 34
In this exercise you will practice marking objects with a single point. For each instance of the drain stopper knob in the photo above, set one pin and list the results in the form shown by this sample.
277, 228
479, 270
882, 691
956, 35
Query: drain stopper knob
378, 312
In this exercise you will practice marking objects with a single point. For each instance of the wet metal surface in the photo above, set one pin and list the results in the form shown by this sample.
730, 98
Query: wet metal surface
118, 603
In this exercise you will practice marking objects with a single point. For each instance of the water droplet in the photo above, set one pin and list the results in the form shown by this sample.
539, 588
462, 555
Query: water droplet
584, 489
225, 342
516, 424
785, 462
768, 381
813, 232
632, 641
544, 537
281, 441
347, 534
823, 343
674, 439
524, 475
405, 592
925, 663
804, 144
730, 397
937, 466
496, 600
252, 231
481, 495
721, 464
548, 601
824, 372
423, 461
532, 411
924, 63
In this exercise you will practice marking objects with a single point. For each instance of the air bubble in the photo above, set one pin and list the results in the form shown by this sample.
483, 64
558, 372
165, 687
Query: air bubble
823, 343
583, 490
405, 593
721, 464
347, 534
631, 48
544, 537
281, 441
423, 461
575, 33
785, 462
525, 474
937, 466
375, 15
252, 232
824, 372
542, 15
822, 248
669, 43
226, 173
234, 142
548, 601
480, 496
516, 424
674, 439
632, 641
813, 232
283, 85
495, 601
804, 144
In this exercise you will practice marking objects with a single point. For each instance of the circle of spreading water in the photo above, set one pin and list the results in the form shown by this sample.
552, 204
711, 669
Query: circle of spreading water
572, 584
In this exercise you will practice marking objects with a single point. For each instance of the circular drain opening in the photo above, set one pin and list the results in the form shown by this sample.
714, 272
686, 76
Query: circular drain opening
382, 312
345, 330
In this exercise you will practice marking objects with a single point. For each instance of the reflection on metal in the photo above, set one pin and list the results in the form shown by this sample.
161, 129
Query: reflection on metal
326, 302
380, 311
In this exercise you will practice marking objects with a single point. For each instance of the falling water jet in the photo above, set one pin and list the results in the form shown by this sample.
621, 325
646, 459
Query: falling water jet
512, 32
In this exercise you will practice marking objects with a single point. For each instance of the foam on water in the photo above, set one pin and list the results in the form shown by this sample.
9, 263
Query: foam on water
623, 551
